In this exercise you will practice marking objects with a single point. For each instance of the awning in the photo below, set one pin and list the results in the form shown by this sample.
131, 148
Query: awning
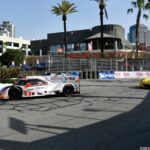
98, 35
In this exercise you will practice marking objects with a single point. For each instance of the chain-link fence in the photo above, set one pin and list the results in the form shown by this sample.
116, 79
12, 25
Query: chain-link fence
113, 64
91, 65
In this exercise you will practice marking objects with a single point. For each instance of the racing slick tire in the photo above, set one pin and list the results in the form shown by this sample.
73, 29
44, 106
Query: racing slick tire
68, 90
14, 93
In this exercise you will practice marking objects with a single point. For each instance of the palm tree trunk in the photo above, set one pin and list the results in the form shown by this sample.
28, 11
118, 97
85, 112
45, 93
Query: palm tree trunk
137, 32
64, 18
101, 41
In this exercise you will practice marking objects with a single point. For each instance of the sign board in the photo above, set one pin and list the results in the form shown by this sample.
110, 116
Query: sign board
106, 75
131, 74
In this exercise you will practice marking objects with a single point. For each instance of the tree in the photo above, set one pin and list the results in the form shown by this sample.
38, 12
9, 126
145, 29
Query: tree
12, 55
64, 9
142, 6
102, 7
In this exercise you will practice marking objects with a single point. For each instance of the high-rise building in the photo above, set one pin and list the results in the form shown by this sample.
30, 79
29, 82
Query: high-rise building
7, 29
3, 31
144, 34
9, 41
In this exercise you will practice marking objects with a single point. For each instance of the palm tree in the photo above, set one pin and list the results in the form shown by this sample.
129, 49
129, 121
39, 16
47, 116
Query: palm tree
64, 9
102, 7
141, 5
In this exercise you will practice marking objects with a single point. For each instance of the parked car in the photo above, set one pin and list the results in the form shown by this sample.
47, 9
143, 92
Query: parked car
145, 83
26, 67
40, 67
34, 86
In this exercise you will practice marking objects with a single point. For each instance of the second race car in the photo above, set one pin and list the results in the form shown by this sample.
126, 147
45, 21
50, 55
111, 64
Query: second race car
145, 83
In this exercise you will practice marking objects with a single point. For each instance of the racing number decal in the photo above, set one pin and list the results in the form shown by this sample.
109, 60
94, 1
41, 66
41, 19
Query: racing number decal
27, 93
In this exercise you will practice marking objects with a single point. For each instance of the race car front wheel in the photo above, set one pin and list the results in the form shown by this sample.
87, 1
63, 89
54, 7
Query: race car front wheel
68, 90
14, 93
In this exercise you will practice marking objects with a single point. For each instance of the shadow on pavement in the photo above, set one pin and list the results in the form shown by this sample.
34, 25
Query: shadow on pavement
128, 131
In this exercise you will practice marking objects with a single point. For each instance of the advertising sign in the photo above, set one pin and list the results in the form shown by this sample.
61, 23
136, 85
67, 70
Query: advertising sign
106, 75
131, 74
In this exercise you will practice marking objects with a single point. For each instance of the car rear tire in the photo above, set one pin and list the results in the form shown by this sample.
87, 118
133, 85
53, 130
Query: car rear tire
14, 93
68, 90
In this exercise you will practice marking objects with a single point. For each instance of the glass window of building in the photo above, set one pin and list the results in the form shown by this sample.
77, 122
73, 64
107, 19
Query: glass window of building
77, 47
1, 44
53, 49
8, 43
24, 46
16, 44
83, 47
70, 47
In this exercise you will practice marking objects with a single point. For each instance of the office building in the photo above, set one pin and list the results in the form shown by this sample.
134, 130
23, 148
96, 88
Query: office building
144, 34
7, 43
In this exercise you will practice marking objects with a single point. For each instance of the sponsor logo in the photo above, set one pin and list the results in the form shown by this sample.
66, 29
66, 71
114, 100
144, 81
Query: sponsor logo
106, 75
126, 74
139, 74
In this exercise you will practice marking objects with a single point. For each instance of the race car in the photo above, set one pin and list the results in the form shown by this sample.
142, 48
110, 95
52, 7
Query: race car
145, 83
34, 86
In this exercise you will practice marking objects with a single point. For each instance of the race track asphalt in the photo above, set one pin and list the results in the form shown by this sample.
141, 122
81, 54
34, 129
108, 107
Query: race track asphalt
107, 115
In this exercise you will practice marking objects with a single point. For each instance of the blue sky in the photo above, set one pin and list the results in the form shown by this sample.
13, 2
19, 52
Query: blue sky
33, 18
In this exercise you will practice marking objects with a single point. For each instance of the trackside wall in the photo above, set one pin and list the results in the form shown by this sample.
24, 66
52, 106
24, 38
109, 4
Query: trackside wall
123, 75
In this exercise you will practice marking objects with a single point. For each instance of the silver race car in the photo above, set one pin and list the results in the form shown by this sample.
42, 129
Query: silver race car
34, 86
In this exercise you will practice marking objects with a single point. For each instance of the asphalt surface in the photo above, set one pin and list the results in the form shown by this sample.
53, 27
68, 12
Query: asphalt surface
107, 115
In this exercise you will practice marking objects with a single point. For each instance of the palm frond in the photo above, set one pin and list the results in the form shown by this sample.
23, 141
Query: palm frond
65, 7
134, 4
106, 13
140, 3
56, 10
147, 6
130, 10
145, 16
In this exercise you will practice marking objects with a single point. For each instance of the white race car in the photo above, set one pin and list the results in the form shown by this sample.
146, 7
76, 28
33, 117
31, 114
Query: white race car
34, 86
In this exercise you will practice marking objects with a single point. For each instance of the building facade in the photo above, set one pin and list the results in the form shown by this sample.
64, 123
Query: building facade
80, 40
7, 43
144, 34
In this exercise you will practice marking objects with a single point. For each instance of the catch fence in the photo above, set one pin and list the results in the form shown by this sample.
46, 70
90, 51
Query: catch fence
113, 64
89, 67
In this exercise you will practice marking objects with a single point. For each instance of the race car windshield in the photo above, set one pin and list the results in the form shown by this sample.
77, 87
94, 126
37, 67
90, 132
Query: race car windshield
21, 82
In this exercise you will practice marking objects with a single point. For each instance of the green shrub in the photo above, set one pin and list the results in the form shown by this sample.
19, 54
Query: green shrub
8, 80
8, 73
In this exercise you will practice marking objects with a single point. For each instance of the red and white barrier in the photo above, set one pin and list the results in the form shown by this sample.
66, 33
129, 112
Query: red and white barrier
131, 74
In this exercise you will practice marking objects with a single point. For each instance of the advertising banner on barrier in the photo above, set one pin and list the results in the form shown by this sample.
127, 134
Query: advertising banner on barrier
131, 74
106, 75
